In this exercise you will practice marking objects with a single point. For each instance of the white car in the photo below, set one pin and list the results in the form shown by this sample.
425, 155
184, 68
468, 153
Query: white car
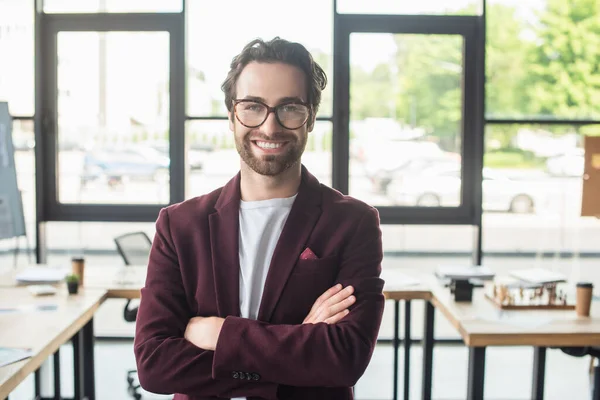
569, 164
441, 187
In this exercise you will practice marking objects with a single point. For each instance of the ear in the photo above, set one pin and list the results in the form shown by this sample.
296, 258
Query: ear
311, 123
231, 122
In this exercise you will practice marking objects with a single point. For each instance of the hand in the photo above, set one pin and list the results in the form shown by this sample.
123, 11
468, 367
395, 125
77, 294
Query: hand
203, 332
331, 306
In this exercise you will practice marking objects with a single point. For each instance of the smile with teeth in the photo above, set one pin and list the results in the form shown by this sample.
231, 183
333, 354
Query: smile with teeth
268, 145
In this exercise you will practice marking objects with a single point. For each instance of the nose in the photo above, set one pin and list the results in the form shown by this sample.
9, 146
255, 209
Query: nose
271, 125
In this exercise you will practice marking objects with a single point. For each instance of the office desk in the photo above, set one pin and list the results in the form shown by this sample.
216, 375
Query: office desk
481, 324
121, 282
45, 331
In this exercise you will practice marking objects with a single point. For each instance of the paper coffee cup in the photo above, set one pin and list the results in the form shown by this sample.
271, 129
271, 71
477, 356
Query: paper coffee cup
584, 299
78, 268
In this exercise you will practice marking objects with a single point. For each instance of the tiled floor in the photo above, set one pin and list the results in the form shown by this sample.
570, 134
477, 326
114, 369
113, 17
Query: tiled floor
508, 370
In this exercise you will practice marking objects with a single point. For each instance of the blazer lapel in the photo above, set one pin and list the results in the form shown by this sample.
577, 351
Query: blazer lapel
224, 240
302, 219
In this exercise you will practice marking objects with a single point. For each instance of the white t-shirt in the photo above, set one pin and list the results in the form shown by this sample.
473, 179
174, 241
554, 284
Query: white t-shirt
261, 223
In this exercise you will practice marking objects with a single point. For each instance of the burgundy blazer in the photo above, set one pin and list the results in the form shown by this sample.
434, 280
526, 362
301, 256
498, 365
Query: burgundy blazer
194, 271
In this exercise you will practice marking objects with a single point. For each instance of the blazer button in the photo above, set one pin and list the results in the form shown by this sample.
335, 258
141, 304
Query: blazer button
248, 376
256, 377
235, 375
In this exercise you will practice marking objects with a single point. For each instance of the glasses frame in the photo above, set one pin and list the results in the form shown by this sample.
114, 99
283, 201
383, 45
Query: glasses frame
271, 110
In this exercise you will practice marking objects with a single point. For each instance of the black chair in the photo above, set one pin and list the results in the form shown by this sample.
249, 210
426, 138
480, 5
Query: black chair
134, 248
588, 351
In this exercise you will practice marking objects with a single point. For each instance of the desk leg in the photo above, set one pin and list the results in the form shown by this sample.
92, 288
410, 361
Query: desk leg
89, 386
476, 373
37, 382
407, 343
596, 389
56, 360
428, 351
539, 371
78, 361
396, 344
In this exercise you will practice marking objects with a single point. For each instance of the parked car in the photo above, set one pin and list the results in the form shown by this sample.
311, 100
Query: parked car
571, 163
196, 155
115, 165
441, 187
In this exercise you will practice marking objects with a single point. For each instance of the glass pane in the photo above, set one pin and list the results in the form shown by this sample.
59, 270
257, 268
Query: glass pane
111, 6
405, 119
213, 159
113, 117
532, 190
212, 44
16, 47
542, 59
396, 7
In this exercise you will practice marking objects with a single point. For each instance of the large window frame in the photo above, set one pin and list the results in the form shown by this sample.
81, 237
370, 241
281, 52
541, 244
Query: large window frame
469, 28
48, 26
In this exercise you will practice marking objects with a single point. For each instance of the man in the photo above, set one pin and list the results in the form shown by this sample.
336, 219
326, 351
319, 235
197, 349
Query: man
267, 288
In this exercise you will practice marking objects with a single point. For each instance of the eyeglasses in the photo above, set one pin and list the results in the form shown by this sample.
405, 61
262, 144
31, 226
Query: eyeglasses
254, 113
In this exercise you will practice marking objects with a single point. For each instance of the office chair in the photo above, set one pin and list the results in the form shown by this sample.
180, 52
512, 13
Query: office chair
134, 248
595, 353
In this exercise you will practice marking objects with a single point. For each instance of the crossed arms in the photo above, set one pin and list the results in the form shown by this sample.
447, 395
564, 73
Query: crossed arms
174, 348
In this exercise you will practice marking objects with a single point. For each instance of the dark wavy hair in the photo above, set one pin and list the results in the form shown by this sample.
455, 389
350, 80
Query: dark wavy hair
277, 50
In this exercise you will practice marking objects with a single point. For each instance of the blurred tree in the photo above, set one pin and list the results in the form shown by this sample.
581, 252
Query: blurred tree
565, 71
430, 84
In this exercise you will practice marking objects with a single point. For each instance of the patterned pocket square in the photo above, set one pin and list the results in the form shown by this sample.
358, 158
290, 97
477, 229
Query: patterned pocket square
308, 254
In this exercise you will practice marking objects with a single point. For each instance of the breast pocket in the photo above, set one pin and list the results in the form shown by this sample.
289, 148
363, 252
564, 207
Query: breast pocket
326, 265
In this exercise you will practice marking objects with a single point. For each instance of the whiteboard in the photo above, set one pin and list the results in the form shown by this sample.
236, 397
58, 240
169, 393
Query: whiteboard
12, 220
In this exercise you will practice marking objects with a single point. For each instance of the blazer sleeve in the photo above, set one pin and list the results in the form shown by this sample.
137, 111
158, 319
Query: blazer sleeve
167, 363
315, 354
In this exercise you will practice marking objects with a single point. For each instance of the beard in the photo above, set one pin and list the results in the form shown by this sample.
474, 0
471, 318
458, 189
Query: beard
271, 165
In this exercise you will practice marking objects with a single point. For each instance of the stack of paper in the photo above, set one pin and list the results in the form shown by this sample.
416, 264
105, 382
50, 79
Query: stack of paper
460, 272
397, 279
9, 355
538, 275
42, 275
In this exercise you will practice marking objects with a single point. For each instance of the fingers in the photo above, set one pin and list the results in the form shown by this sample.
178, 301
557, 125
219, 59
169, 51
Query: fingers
337, 317
340, 296
332, 305
325, 296
331, 310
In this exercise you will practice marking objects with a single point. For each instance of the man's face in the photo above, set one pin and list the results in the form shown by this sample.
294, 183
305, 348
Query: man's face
270, 148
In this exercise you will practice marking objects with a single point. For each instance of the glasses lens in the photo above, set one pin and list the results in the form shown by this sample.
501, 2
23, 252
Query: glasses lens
250, 113
293, 115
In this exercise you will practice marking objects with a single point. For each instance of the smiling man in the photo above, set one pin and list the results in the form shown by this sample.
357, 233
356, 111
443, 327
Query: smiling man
266, 288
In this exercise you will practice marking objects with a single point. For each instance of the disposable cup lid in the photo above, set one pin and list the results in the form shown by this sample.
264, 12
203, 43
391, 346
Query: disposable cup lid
587, 285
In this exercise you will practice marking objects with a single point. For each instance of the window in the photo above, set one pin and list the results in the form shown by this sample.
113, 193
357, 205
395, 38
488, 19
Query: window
113, 117
218, 30
406, 102
16, 47
542, 59
532, 190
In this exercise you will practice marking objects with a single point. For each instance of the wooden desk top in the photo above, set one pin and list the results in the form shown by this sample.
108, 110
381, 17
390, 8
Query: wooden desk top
42, 331
481, 323
122, 282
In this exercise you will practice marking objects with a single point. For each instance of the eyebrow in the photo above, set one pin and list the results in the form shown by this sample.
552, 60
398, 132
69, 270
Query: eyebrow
292, 99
